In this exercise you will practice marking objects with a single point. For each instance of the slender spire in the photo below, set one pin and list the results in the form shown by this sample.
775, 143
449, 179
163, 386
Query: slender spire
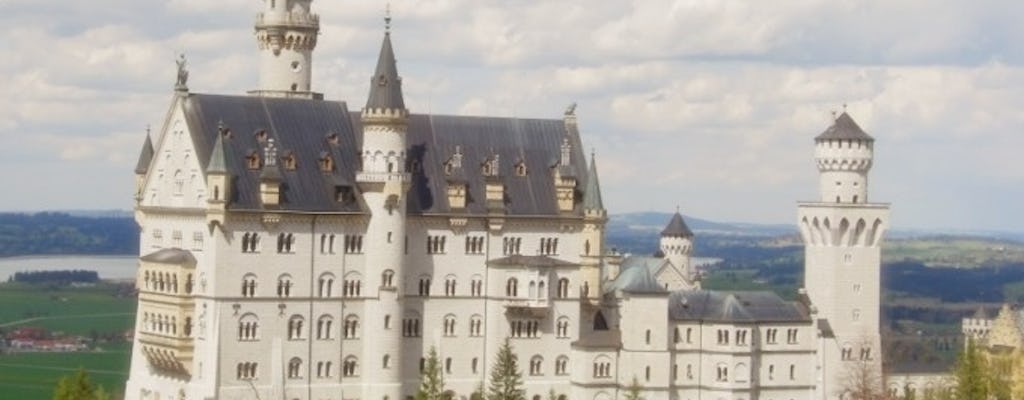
218, 157
386, 85
592, 194
145, 156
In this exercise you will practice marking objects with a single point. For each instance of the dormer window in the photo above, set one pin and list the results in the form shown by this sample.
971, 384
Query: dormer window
289, 161
261, 135
448, 167
490, 166
333, 139
326, 162
253, 160
521, 168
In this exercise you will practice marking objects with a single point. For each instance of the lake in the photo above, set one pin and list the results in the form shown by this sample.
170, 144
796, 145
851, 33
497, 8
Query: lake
109, 267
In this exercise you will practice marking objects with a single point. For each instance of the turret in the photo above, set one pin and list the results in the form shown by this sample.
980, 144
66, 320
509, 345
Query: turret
594, 219
286, 32
844, 155
218, 182
455, 176
385, 182
565, 179
677, 244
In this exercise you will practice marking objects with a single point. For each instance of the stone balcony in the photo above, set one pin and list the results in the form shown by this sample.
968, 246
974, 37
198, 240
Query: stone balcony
288, 19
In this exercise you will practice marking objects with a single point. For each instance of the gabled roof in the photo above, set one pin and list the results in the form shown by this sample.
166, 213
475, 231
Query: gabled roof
145, 157
592, 193
736, 307
844, 127
302, 127
677, 228
386, 85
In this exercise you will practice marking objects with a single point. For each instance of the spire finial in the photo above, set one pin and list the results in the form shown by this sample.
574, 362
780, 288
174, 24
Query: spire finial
149, 129
844, 108
387, 19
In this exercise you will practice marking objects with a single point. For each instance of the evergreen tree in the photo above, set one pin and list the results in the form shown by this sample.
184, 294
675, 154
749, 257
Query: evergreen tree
633, 391
970, 374
431, 379
77, 386
506, 380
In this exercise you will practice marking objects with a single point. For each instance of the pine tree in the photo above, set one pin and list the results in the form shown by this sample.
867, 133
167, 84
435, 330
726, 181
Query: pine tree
970, 374
633, 391
431, 379
506, 380
77, 386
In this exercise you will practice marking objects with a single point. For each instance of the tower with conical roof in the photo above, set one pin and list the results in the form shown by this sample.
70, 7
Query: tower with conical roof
842, 233
676, 244
384, 182
286, 32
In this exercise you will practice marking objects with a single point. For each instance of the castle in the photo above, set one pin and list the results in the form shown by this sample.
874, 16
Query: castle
294, 249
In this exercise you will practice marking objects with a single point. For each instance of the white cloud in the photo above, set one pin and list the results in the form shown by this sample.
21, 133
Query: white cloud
707, 104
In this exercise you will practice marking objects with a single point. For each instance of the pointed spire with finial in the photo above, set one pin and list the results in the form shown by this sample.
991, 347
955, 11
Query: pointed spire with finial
386, 85
677, 227
218, 157
145, 156
844, 128
592, 194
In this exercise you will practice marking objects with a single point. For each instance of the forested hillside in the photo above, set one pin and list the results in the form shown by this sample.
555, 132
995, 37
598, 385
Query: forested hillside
59, 233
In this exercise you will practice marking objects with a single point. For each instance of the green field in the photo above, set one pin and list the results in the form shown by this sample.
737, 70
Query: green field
32, 376
953, 252
81, 311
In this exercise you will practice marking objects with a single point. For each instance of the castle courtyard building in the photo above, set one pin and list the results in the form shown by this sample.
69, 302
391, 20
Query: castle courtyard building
296, 247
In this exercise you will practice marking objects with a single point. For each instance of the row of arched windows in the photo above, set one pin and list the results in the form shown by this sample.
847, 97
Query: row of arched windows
165, 282
548, 246
474, 244
511, 245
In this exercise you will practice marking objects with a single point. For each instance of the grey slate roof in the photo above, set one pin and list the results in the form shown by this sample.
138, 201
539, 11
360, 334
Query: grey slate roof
637, 275
145, 157
676, 227
531, 261
981, 313
303, 126
734, 307
386, 85
844, 127
592, 194
174, 256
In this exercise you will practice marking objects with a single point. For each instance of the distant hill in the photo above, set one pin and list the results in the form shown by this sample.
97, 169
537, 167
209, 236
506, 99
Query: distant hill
656, 221
52, 233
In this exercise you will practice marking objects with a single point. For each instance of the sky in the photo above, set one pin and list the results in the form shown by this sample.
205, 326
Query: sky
706, 105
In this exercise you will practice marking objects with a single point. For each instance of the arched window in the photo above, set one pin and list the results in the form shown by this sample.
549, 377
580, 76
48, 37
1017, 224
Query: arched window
563, 288
386, 361
535, 365
512, 287
295, 327
351, 327
352, 286
562, 365
562, 327
449, 325
248, 327
284, 286
325, 328
476, 325
449, 285
325, 285
295, 368
387, 278
647, 337
350, 366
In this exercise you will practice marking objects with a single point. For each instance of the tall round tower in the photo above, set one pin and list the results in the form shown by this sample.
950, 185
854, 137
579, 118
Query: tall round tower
843, 154
842, 236
286, 32
384, 182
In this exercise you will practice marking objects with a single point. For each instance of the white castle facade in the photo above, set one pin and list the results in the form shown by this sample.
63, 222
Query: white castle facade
292, 249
